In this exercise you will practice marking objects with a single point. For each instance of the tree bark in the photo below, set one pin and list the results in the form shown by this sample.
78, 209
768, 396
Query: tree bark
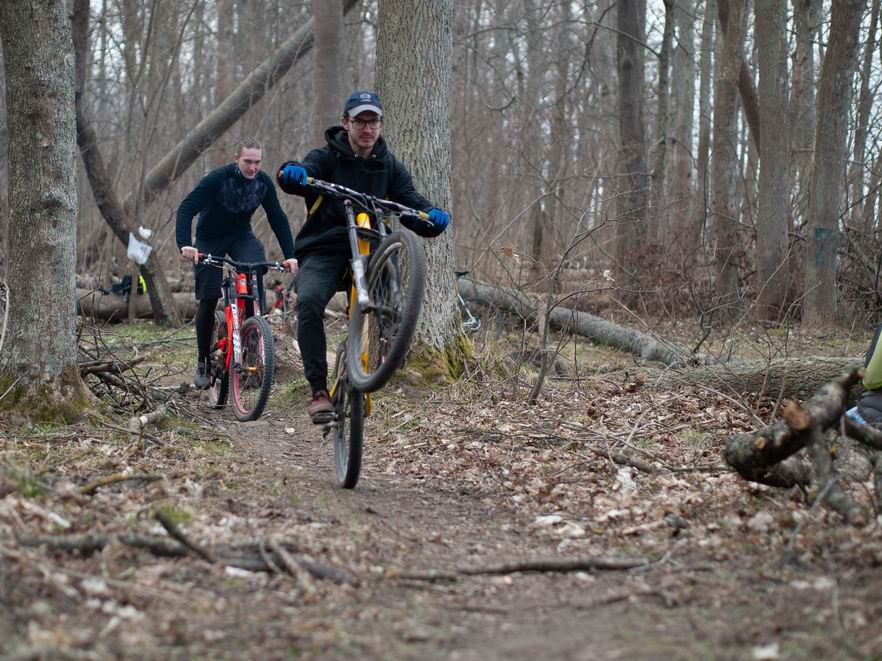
417, 126
700, 214
724, 160
327, 67
684, 233
745, 81
633, 184
802, 96
774, 197
658, 204
865, 100
39, 360
752, 454
828, 175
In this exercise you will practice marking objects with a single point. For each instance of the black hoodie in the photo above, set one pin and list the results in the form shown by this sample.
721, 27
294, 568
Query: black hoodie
225, 201
381, 175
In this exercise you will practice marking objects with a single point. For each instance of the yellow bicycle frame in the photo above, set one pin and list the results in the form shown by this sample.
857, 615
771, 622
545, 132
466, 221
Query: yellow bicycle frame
364, 248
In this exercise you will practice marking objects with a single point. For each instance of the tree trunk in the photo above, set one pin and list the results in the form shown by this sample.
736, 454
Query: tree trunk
802, 98
38, 366
724, 159
415, 86
828, 175
774, 197
633, 185
683, 233
327, 67
225, 64
702, 166
865, 100
658, 205
745, 80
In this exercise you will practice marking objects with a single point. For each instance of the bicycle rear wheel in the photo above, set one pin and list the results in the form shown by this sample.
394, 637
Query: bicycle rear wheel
220, 378
349, 432
252, 379
396, 276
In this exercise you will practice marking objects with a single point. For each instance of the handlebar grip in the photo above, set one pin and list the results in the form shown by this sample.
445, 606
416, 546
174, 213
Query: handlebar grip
423, 216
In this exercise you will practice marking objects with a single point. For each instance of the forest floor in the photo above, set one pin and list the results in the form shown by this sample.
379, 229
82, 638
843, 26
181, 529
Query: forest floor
465, 479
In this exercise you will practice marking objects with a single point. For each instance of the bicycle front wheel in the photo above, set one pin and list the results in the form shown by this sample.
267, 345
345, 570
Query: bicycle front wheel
349, 432
253, 377
396, 276
220, 378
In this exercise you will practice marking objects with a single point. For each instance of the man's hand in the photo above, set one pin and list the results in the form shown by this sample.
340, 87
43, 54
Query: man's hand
440, 219
190, 254
293, 174
291, 265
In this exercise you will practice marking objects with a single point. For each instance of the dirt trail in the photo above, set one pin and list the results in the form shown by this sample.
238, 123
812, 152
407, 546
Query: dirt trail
683, 608
735, 572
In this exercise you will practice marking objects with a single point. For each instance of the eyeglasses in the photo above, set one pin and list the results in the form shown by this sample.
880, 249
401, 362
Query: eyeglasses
363, 123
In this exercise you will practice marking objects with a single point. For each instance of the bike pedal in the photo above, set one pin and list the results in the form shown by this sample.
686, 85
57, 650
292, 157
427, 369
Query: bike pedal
324, 418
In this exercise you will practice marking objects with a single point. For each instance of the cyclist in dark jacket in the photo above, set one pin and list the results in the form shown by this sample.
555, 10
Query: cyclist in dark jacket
225, 200
355, 156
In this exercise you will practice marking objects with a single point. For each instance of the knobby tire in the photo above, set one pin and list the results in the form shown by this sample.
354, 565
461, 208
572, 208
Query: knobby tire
349, 434
396, 276
252, 380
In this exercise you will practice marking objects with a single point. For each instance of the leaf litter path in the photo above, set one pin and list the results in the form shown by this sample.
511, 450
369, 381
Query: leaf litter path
709, 591
449, 482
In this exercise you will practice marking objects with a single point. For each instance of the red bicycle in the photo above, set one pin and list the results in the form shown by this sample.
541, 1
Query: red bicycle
246, 364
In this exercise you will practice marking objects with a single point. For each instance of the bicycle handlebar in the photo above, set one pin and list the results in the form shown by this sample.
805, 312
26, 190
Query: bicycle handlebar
368, 202
214, 260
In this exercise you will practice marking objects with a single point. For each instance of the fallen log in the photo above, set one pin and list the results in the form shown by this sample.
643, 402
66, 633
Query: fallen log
582, 323
95, 304
754, 454
785, 378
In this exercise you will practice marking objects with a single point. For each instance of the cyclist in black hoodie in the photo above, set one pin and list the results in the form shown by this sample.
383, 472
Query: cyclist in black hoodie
225, 200
355, 156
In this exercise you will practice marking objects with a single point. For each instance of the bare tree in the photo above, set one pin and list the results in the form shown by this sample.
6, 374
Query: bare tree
826, 189
327, 66
633, 189
771, 224
38, 367
724, 163
415, 85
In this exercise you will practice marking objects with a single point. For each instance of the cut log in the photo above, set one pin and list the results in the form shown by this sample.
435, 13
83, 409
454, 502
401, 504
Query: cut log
582, 323
753, 454
114, 307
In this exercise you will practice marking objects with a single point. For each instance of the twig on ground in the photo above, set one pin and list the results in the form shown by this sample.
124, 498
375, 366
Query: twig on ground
90, 488
558, 565
292, 566
175, 532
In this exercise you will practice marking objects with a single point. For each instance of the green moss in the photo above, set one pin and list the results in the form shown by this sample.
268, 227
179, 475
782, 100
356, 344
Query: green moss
173, 514
434, 366
46, 401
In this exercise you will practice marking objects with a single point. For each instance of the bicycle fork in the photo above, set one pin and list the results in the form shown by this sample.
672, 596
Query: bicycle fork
360, 249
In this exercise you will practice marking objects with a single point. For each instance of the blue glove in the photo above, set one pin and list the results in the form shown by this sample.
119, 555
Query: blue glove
293, 174
440, 219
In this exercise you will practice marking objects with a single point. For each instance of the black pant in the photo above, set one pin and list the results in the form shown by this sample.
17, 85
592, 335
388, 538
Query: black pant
242, 247
320, 276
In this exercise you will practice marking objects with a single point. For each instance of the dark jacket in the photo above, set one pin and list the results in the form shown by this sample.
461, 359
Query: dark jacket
381, 175
225, 202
